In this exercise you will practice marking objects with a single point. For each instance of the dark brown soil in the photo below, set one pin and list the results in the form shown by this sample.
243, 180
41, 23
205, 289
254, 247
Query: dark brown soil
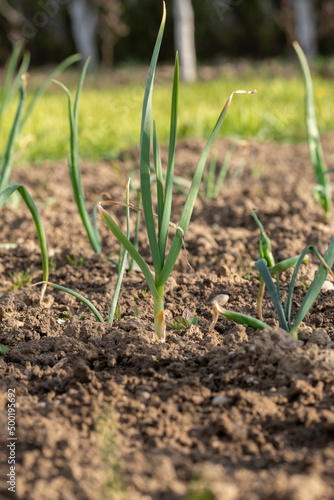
112, 413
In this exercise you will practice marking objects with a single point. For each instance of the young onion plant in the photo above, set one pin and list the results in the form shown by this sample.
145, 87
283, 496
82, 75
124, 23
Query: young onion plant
90, 223
11, 84
73, 163
163, 264
267, 255
322, 192
284, 312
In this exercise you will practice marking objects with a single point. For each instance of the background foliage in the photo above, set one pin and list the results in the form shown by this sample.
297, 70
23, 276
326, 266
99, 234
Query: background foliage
224, 28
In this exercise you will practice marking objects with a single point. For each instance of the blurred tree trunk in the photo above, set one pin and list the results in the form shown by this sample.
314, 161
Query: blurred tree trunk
110, 29
184, 37
84, 18
305, 26
12, 15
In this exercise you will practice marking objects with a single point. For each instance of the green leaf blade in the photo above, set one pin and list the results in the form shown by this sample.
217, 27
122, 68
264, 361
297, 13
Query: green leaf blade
163, 233
73, 164
79, 90
265, 244
159, 177
261, 266
145, 147
109, 221
244, 319
4, 195
315, 287
6, 90
77, 296
316, 154
9, 152
286, 264
122, 265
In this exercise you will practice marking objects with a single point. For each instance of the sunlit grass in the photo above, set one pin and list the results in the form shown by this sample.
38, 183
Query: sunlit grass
109, 119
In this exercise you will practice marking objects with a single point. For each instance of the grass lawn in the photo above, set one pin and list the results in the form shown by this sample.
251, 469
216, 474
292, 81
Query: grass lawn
110, 115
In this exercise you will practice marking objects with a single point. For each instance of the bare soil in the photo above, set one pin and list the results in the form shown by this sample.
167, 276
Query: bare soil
101, 412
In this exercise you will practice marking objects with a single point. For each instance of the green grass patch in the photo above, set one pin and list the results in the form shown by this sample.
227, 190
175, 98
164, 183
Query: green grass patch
109, 117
